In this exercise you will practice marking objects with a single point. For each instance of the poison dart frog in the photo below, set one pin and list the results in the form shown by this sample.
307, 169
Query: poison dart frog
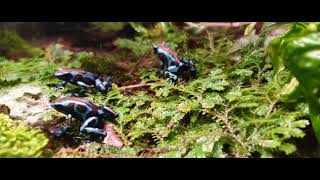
83, 79
88, 113
172, 65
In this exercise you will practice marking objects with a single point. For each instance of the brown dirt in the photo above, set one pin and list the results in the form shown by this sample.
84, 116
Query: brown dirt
125, 71
55, 143
83, 152
77, 39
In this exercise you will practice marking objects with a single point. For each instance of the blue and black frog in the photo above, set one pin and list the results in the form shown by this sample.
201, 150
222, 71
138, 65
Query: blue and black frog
172, 65
83, 79
90, 114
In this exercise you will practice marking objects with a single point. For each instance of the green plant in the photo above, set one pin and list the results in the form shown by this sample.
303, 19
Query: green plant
24, 71
56, 53
20, 141
298, 51
107, 26
38, 69
213, 116
141, 44
11, 44
234, 108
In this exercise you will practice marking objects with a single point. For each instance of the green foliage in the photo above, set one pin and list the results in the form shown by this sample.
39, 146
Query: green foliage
208, 117
141, 44
39, 69
138, 47
107, 26
25, 71
56, 53
96, 64
20, 141
11, 44
234, 108
138, 27
298, 52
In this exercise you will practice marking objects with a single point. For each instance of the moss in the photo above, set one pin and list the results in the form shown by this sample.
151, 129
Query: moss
231, 109
12, 45
20, 141
107, 26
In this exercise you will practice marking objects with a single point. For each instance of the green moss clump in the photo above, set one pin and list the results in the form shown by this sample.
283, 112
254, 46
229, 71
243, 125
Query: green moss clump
21, 141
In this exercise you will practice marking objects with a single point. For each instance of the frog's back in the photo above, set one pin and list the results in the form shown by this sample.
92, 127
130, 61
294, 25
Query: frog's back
69, 70
170, 52
79, 108
87, 78
87, 102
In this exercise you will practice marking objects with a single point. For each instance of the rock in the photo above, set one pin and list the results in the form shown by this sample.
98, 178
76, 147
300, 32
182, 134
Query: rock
275, 33
112, 138
4, 109
243, 42
25, 102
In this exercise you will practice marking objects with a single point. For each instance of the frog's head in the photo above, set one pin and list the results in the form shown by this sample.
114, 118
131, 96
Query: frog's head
63, 74
59, 104
107, 112
104, 84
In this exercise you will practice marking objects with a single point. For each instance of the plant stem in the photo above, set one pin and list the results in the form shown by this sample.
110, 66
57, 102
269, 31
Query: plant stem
224, 118
135, 86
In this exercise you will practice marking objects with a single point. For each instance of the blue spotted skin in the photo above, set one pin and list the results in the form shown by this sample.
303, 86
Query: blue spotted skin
66, 109
89, 114
170, 59
83, 79
172, 66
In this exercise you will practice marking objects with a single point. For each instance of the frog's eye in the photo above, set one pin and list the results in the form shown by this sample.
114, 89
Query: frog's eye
101, 106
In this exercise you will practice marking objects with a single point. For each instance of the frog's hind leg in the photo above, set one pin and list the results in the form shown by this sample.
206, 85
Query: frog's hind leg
78, 92
86, 129
67, 127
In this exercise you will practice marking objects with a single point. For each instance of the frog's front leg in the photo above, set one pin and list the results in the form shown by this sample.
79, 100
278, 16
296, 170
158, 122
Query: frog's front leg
170, 73
82, 84
161, 69
174, 69
78, 92
66, 128
193, 69
172, 77
62, 86
86, 129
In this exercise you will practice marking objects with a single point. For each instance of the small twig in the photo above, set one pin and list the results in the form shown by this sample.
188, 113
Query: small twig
210, 38
271, 107
135, 86
225, 119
